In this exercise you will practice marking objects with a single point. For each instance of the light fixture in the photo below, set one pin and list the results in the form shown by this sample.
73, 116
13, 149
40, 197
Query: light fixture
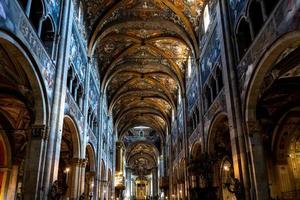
226, 168
67, 170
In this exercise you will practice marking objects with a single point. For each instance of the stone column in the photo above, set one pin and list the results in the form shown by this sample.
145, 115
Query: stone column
34, 162
233, 103
57, 114
74, 179
155, 182
128, 182
259, 165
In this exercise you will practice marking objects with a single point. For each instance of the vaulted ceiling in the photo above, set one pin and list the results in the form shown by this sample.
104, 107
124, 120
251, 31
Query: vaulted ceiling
142, 48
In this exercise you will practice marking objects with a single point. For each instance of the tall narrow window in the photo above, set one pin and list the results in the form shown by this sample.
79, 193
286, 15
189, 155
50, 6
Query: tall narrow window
47, 34
243, 37
206, 18
36, 13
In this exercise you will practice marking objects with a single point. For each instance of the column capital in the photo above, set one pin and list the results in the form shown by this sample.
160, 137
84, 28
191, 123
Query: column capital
39, 131
75, 161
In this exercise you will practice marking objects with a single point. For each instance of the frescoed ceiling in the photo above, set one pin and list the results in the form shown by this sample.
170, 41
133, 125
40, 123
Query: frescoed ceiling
142, 48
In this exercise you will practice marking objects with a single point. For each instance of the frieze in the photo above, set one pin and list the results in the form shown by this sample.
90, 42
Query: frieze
46, 65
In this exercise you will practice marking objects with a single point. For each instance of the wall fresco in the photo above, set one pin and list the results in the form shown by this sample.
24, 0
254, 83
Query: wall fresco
210, 56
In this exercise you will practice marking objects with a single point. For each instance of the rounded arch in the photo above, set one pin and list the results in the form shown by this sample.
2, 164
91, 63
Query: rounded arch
33, 73
102, 170
69, 121
90, 155
134, 144
23, 107
283, 132
254, 82
196, 150
214, 125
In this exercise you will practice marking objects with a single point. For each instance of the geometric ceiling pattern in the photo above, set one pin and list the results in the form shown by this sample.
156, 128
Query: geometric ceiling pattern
142, 48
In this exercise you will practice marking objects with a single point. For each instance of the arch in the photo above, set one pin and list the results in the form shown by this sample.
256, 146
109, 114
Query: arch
215, 122
243, 37
90, 152
18, 50
254, 82
226, 178
47, 34
196, 150
21, 108
70, 122
134, 144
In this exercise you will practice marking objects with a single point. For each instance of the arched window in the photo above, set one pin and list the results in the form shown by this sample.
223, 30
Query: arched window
219, 78
270, 5
79, 96
206, 18
47, 35
207, 95
36, 13
214, 88
70, 78
256, 16
74, 87
243, 37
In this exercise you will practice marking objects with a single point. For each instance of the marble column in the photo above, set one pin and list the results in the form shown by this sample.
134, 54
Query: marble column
34, 162
57, 114
155, 182
128, 182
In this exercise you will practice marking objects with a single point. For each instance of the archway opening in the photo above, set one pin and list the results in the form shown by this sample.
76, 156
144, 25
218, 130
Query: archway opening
243, 37
68, 159
47, 35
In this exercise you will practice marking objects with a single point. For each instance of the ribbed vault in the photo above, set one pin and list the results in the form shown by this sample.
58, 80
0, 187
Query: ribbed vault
142, 48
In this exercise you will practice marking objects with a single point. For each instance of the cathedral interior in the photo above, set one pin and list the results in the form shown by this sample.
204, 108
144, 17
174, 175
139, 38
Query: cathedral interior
150, 99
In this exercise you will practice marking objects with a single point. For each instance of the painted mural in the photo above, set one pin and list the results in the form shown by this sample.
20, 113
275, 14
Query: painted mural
78, 56
210, 56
